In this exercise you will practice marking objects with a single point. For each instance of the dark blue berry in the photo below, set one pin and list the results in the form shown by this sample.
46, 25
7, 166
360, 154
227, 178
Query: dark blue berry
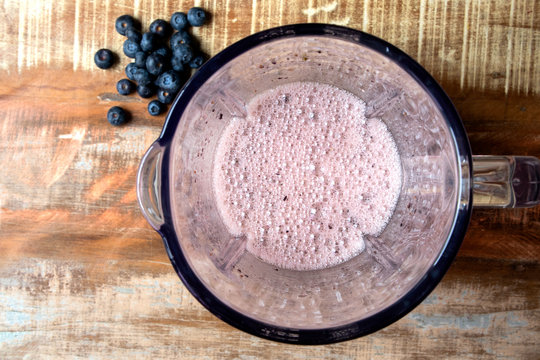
161, 28
140, 59
142, 77
125, 87
146, 91
124, 23
165, 97
130, 71
196, 16
134, 35
117, 116
177, 64
163, 51
104, 58
179, 38
131, 48
179, 20
184, 52
150, 41
155, 64
196, 62
170, 81
155, 108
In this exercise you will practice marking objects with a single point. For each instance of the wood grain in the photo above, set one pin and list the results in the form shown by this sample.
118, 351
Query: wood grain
82, 275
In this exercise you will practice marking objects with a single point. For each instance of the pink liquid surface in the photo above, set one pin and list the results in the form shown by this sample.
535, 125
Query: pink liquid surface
305, 176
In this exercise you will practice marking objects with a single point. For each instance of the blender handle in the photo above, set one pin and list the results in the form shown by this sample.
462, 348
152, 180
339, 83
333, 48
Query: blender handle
149, 185
506, 181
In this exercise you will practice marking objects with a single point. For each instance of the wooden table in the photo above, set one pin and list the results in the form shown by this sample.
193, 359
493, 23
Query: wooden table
83, 275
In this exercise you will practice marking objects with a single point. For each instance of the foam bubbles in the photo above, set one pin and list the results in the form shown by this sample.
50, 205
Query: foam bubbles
314, 173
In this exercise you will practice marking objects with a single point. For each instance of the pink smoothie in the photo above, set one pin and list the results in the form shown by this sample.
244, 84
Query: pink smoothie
305, 176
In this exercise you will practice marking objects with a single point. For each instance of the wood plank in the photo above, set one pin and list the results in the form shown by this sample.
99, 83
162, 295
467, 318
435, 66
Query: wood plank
66, 308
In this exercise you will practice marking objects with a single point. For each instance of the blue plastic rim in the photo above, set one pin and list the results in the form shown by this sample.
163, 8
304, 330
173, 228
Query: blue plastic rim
356, 328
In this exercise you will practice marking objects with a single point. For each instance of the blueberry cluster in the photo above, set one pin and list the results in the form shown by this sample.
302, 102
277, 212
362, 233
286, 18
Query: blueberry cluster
162, 59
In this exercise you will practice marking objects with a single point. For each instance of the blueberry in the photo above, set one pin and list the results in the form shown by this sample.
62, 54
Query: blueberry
166, 97
131, 48
155, 64
184, 52
179, 20
125, 87
125, 22
142, 77
170, 81
177, 64
134, 35
161, 28
140, 59
163, 51
117, 116
179, 38
155, 108
196, 62
196, 16
130, 71
150, 41
146, 91
104, 58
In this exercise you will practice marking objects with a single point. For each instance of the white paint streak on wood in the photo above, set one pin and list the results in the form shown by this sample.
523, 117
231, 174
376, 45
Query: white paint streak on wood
158, 262
521, 52
379, 19
509, 48
226, 28
77, 134
434, 26
309, 14
166, 7
365, 16
106, 19
21, 43
522, 57
270, 14
485, 48
32, 28
76, 43
137, 8
87, 51
441, 41
404, 33
253, 16
213, 32
531, 69
152, 11
311, 10
473, 55
31, 32
343, 22
94, 18
326, 19
50, 39
280, 12
393, 37
464, 45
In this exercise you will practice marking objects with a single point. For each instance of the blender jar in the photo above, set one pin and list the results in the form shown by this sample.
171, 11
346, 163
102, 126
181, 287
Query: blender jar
400, 266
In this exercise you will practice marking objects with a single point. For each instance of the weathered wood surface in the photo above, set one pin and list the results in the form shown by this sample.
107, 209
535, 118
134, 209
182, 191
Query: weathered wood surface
83, 275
